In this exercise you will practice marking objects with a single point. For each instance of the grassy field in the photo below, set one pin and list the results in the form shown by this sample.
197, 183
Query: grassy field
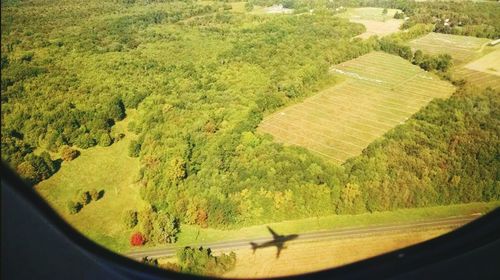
379, 28
380, 92
313, 256
194, 234
369, 13
109, 169
300, 257
374, 20
480, 79
462, 48
473, 59
489, 63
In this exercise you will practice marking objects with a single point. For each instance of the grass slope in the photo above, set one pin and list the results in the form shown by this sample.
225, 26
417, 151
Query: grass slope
380, 92
110, 169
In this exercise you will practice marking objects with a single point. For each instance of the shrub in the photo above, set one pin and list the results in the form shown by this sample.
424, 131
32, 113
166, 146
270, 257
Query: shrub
165, 228
27, 57
27, 172
84, 198
37, 168
74, 207
68, 154
134, 149
85, 141
130, 218
201, 261
137, 239
96, 195
105, 140
150, 261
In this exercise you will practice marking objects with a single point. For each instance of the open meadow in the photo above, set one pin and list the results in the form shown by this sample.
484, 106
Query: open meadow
489, 63
478, 78
380, 92
461, 48
103, 168
473, 59
375, 21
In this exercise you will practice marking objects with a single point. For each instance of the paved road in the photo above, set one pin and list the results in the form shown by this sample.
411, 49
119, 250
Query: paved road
333, 234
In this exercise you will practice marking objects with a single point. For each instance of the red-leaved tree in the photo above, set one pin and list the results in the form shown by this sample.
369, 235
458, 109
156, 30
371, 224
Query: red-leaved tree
137, 239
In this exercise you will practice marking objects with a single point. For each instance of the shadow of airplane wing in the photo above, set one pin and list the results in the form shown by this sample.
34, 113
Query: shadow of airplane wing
275, 235
279, 247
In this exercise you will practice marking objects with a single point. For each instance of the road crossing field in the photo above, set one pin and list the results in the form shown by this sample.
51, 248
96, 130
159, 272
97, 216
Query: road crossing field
380, 91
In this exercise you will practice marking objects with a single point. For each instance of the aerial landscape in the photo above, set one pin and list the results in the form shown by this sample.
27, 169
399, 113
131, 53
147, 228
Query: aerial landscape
254, 139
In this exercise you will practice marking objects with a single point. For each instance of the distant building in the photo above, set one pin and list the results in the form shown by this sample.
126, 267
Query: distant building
278, 9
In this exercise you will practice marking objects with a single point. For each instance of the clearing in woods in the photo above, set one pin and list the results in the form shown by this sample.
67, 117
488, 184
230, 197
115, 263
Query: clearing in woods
461, 48
103, 168
374, 20
380, 91
470, 61
489, 63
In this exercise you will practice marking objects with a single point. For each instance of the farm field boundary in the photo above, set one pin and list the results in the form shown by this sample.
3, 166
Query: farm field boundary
380, 92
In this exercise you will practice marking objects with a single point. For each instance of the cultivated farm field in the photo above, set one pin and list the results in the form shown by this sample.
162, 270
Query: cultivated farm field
461, 48
380, 91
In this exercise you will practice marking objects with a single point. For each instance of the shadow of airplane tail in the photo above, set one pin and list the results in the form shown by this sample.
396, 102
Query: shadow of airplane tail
254, 246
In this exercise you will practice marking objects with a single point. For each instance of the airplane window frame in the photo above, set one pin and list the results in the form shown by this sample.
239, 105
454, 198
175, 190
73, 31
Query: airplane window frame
477, 234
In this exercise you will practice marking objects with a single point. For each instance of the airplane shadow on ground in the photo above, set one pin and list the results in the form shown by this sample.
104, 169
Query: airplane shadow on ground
278, 241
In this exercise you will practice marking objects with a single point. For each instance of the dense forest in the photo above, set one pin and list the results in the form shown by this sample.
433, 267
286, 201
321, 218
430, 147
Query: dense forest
202, 77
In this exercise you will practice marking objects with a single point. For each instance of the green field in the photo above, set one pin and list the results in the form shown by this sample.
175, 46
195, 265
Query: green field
473, 59
368, 13
489, 63
104, 168
461, 48
195, 234
477, 78
380, 92
375, 22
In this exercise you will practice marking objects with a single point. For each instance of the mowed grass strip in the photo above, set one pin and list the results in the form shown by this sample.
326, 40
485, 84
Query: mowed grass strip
380, 91
461, 48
